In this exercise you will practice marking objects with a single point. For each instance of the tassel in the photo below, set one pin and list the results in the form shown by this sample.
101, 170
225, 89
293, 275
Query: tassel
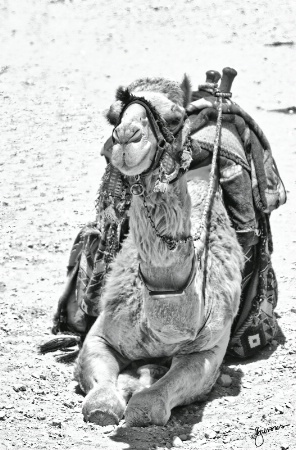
59, 343
160, 186
186, 159
110, 214
67, 358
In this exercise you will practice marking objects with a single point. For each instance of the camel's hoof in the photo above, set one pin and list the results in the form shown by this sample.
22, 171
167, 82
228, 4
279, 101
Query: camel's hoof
103, 406
102, 418
146, 409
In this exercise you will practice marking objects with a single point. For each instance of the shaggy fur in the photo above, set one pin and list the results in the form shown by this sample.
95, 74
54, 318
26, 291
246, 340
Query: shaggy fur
188, 332
180, 95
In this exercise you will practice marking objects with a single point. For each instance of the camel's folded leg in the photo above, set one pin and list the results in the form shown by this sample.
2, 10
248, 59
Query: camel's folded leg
97, 371
189, 378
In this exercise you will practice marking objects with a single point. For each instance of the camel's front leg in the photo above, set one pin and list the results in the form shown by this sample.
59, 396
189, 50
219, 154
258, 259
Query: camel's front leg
189, 377
97, 371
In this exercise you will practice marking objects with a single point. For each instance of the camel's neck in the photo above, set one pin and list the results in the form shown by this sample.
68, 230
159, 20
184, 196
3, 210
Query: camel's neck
172, 318
162, 268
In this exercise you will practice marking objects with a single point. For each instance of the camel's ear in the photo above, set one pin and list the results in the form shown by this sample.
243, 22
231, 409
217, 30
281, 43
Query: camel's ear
113, 113
123, 94
186, 88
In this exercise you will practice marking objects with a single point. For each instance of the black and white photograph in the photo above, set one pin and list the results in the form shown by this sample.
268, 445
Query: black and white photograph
148, 225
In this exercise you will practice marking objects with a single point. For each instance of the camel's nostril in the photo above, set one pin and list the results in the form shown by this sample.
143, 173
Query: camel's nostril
115, 137
123, 135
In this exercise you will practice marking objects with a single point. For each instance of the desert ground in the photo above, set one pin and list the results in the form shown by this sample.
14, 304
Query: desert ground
60, 64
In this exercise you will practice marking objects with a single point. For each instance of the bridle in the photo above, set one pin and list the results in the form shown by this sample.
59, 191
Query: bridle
165, 137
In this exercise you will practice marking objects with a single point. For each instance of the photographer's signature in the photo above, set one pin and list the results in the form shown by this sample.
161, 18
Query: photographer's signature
259, 432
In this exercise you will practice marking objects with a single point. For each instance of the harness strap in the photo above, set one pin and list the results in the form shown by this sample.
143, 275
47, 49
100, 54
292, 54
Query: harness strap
177, 292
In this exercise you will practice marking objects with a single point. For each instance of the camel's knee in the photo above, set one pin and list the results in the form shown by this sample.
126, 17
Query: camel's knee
97, 364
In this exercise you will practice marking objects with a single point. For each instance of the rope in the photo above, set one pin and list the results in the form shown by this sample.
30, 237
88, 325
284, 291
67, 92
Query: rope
202, 233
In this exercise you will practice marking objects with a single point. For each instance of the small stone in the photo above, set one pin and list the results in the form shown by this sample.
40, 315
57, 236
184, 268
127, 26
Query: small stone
279, 409
168, 445
108, 429
177, 442
230, 399
274, 343
41, 417
8, 406
19, 387
35, 375
210, 434
183, 437
56, 423
70, 404
2, 415
225, 380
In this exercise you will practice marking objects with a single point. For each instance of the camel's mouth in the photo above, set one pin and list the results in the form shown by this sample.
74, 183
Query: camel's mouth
133, 158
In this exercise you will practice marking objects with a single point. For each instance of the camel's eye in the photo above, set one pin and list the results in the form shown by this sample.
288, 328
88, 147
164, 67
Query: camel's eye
173, 123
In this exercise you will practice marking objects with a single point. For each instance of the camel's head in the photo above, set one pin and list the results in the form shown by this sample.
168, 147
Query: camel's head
146, 115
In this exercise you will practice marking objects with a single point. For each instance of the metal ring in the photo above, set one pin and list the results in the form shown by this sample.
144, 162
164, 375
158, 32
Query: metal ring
137, 189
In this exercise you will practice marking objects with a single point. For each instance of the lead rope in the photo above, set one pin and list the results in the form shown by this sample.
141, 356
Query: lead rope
200, 237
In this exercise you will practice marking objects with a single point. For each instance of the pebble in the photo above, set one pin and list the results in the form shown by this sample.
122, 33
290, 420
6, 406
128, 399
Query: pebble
70, 404
56, 423
2, 415
225, 380
19, 387
279, 409
274, 343
210, 434
177, 442
230, 399
168, 445
183, 437
108, 429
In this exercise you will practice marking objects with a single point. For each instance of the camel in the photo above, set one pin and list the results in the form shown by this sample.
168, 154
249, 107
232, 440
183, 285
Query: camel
167, 307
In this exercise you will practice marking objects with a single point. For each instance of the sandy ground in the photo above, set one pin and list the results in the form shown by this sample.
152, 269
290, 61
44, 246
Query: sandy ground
60, 63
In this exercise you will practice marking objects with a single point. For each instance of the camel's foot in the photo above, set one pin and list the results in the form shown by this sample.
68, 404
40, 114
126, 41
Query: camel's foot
147, 408
103, 406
